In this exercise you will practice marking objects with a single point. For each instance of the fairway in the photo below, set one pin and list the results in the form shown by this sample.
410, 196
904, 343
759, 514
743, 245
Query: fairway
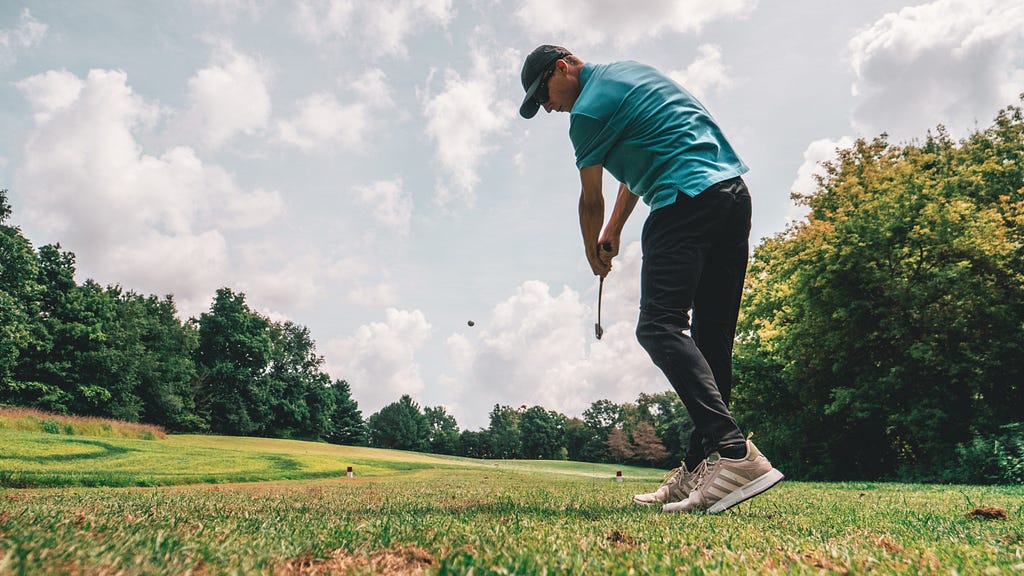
409, 513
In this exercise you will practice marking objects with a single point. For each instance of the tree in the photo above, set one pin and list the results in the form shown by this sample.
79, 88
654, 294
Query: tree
443, 431
296, 386
474, 444
619, 448
885, 330
347, 425
542, 433
233, 354
503, 434
399, 425
647, 446
20, 292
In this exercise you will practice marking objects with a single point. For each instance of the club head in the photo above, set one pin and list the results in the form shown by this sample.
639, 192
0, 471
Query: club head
598, 331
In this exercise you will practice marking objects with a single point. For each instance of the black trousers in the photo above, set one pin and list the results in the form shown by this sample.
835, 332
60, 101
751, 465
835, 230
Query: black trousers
695, 256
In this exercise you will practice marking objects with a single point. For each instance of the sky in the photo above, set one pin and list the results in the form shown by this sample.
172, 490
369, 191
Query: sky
360, 168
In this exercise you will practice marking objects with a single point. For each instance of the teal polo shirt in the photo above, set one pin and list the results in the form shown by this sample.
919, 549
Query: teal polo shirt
648, 132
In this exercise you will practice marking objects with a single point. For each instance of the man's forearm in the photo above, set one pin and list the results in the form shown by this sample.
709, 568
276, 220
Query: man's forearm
592, 214
624, 204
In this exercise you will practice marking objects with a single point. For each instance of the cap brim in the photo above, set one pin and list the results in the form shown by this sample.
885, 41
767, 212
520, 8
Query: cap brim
530, 104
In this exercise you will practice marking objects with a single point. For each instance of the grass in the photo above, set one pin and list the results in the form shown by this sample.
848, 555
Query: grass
27, 419
408, 513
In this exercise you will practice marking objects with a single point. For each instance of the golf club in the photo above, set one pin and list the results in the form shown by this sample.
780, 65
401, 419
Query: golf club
598, 330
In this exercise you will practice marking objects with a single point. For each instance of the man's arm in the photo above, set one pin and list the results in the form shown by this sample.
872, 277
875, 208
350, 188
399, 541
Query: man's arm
624, 204
592, 216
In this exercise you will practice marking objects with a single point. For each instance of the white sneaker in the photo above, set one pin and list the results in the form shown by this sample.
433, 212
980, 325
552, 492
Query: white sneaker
725, 482
677, 486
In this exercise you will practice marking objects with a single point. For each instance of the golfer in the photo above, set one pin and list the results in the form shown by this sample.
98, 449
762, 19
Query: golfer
662, 145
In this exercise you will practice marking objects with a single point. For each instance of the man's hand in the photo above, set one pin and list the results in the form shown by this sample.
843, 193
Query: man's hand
600, 263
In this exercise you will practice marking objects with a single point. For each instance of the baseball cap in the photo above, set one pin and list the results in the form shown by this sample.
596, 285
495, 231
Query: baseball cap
533, 72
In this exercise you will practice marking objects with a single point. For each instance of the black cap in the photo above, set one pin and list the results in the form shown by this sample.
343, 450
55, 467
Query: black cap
533, 71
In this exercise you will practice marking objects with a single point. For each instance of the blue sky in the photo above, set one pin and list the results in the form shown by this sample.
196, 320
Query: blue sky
360, 167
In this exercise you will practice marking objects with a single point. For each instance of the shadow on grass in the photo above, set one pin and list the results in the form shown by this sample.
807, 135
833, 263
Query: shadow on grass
106, 451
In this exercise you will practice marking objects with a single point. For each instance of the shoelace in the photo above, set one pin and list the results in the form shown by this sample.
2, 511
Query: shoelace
704, 471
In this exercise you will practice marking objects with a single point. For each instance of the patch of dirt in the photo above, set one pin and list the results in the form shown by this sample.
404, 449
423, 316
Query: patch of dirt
988, 513
621, 539
888, 545
405, 561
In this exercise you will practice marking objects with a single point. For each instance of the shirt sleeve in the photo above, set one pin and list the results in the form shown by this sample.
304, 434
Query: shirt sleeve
592, 139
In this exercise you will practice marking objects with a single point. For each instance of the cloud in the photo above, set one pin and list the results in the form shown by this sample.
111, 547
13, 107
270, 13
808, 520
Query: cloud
29, 33
806, 183
462, 121
590, 23
538, 347
378, 361
228, 98
320, 119
706, 75
392, 206
954, 62
384, 25
155, 223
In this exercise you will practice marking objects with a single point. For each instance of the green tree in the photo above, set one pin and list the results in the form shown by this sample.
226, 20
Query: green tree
233, 354
443, 435
885, 330
19, 309
542, 433
399, 425
347, 425
295, 385
505, 438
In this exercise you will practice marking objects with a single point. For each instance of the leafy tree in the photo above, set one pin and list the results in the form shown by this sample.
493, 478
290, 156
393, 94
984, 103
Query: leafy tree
506, 440
474, 444
443, 435
19, 295
542, 433
647, 447
233, 354
399, 425
295, 385
671, 422
619, 448
346, 425
885, 330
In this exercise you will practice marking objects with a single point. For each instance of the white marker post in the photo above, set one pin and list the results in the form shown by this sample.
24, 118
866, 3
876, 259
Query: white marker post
618, 475
349, 473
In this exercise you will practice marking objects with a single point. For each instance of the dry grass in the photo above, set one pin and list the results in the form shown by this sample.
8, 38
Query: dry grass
28, 419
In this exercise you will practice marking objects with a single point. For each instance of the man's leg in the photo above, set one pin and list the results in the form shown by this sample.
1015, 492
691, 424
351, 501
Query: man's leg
676, 242
716, 303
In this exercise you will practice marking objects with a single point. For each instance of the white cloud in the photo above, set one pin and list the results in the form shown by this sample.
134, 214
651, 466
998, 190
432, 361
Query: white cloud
539, 348
954, 62
462, 121
706, 75
384, 25
391, 204
154, 223
51, 92
30, 32
589, 23
323, 20
373, 89
378, 361
806, 183
321, 120
229, 97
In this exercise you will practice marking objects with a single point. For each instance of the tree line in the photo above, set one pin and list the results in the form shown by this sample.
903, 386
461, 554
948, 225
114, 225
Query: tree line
879, 338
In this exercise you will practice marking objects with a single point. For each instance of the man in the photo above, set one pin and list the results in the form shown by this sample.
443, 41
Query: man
663, 146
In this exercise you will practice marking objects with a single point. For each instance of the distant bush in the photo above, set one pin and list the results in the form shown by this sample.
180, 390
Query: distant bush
13, 418
997, 459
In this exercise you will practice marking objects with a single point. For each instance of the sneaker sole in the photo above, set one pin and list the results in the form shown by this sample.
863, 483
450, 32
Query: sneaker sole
747, 491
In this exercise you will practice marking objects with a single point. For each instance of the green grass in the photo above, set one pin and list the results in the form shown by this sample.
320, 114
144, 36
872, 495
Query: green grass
409, 513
